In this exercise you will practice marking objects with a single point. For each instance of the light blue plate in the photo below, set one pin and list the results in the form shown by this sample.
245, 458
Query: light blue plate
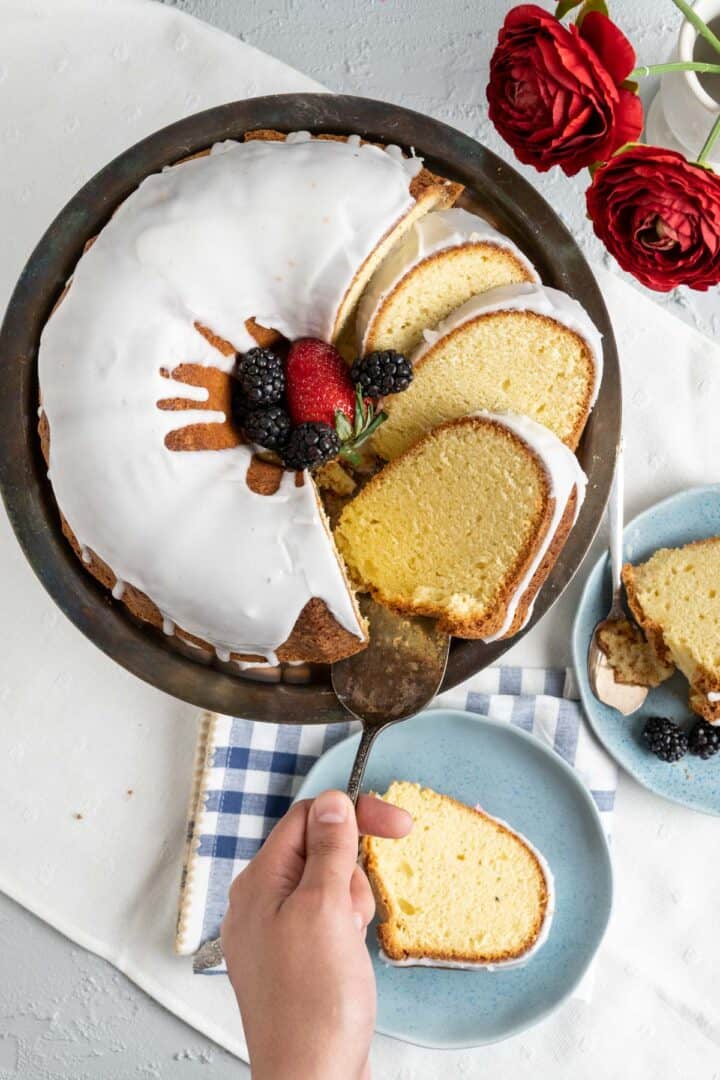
691, 515
513, 776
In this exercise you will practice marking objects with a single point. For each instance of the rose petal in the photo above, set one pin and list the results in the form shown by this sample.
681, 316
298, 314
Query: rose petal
609, 44
628, 118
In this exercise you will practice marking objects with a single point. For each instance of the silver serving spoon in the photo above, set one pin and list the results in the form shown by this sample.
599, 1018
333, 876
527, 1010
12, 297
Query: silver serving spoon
624, 697
394, 678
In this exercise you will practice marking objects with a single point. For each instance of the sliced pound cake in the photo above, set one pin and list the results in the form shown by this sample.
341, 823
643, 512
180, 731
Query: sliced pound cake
443, 260
675, 597
631, 657
524, 348
462, 889
465, 526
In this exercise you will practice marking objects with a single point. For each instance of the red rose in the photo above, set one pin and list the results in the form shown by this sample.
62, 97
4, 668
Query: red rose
660, 217
555, 93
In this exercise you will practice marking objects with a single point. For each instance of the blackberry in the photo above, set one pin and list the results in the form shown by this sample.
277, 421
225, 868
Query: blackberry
261, 376
382, 373
704, 739
311, 444
238, 403
268, 427
665, 739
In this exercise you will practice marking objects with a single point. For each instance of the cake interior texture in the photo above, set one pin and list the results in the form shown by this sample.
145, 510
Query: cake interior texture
509, 360
448, 528
675, 596
461, 887
440, 285
631, 656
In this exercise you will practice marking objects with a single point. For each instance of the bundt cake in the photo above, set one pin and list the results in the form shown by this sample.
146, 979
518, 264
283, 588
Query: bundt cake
466, 524
446, 258
462, 889
524, 348
270, 236
675, 597
198, 422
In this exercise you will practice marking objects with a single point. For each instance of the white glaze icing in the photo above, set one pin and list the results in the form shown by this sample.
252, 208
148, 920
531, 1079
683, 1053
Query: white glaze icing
274, 230
713, 695
564, 473
497, 965
540, 299
437, 231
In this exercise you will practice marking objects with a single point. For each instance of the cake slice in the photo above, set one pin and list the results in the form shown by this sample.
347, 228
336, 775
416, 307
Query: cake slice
463, 889
631, 657
444, 259
466, 525
524, 348
675, 597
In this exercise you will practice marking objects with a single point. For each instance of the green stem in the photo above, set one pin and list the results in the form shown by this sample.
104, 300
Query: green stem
660, 69
709, 142
701, 27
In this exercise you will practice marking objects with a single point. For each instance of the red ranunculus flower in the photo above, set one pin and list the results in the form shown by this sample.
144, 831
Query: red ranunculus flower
555, 93
659, 216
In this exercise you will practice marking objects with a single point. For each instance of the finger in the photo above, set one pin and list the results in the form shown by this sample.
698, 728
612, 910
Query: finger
361, 898
375, 817
331, 840
278, 866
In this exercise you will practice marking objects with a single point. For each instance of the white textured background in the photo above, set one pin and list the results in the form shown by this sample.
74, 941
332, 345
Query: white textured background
66, 1014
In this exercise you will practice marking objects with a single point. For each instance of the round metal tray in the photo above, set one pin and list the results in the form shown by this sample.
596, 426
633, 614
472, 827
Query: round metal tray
492, 188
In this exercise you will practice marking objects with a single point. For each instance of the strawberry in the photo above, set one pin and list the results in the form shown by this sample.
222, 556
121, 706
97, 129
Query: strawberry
319, 389
318, 383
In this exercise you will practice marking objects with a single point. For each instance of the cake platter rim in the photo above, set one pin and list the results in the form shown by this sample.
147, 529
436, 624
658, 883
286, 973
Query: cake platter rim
510, 202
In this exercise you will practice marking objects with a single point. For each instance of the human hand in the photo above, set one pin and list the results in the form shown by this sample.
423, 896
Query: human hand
294, 941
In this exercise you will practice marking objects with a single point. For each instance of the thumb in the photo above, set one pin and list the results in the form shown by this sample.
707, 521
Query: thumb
331, 843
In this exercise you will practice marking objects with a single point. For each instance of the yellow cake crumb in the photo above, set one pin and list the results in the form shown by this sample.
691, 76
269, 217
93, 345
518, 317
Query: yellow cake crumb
675, 597
632, 658
462, 886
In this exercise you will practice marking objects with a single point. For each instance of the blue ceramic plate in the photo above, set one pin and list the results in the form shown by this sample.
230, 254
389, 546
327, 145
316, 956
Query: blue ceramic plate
691, 515
513, 776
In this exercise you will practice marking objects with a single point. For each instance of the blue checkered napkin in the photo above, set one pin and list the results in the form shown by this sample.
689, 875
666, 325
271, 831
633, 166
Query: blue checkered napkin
248, 774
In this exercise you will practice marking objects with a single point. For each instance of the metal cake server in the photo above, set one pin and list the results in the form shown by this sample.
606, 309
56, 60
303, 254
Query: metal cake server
392, 679
624, 697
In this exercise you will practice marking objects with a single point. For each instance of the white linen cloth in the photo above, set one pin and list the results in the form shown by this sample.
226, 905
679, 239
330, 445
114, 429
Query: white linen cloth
79, 81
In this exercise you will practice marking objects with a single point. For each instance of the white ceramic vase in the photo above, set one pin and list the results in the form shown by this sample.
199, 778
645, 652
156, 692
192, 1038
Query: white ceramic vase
683, 112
